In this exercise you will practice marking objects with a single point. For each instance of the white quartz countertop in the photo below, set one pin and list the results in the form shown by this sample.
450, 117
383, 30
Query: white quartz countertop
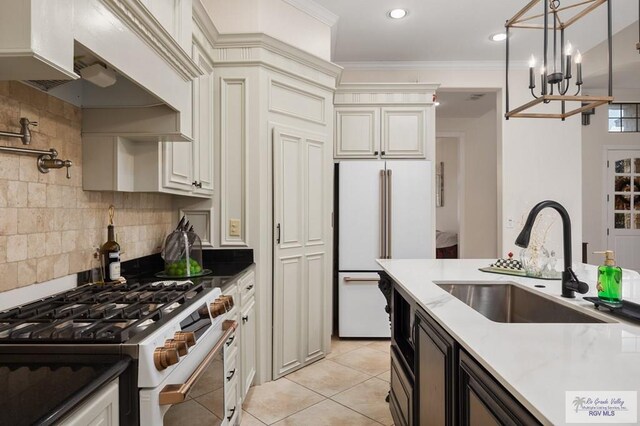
537, 363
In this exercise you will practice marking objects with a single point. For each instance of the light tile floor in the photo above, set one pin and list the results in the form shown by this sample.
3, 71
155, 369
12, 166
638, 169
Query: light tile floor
347, 388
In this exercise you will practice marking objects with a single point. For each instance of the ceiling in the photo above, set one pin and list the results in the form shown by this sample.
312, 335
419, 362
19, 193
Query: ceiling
465, 104
451, 30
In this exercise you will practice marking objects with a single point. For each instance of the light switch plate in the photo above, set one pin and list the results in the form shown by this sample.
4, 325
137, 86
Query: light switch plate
234, 227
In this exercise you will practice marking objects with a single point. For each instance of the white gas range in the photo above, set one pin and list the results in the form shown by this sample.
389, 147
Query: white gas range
173, 331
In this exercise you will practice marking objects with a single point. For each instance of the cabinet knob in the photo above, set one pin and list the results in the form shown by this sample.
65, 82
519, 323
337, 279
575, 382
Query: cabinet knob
375, 152
382, 153
231, 339
245, 318
196, 184
231, 374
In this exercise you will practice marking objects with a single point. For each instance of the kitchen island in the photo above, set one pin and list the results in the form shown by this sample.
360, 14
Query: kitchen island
532, 364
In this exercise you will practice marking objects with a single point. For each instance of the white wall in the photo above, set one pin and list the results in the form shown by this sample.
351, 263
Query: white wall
479, 238
595, 139
275, 18
447, 215
537, 159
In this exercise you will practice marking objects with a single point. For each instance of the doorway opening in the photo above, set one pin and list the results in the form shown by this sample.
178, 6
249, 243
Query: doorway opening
467, 174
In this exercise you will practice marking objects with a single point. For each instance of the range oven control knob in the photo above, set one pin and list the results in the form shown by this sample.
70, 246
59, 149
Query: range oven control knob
228, 301
217, 308
188, 337
164, 357
179, 345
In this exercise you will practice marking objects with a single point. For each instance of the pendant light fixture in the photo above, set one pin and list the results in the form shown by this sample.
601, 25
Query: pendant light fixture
557, 84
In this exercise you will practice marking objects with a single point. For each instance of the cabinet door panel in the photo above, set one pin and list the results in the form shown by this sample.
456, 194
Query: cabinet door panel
435, 371
178, 163
248, 349
404, 132
401, 394
357, 132
203, 125
479, 413
483, 401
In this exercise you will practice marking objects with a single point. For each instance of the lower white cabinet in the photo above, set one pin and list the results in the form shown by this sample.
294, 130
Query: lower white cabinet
248, 349
101, 409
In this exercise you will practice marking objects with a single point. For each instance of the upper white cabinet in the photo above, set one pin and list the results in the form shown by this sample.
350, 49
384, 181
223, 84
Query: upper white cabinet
383, 121
36, 40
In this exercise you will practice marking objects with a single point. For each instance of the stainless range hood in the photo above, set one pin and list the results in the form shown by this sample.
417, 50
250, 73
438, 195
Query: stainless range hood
124, 109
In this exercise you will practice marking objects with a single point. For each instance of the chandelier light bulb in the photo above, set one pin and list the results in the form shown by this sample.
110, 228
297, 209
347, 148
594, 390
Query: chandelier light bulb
542, 70
578, 57
568, 49
532, 62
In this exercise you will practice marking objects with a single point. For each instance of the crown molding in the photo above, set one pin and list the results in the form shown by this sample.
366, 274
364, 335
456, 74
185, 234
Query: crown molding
203, 20
431, 65
239, 49
385, 94
137, 17
314, 10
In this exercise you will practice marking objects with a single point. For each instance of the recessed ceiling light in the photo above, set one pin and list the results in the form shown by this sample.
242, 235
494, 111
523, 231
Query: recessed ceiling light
397, 13
498, 37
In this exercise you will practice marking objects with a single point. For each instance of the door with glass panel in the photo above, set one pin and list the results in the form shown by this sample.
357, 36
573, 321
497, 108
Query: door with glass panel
623, 206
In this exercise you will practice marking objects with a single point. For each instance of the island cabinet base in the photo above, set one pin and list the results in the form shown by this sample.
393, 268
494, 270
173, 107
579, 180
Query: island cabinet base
484, 402
435, 382
436, 364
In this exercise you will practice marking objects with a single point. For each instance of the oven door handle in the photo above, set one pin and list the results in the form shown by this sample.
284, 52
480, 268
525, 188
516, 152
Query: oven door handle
175, 394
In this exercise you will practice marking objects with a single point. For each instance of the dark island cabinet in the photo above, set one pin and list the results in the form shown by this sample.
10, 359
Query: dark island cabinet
435, 373
484, 402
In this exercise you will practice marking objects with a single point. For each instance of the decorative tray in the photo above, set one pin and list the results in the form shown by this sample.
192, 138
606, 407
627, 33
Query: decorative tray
624, 309
518, 273
175, 277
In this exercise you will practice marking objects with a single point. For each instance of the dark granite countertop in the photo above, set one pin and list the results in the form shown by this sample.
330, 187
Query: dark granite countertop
43, 389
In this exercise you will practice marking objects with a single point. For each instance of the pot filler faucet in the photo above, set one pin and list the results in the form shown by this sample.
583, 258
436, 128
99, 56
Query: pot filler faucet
570, 282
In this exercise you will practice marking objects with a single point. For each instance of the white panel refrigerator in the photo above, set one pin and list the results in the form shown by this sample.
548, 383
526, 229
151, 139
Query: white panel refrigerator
385, 212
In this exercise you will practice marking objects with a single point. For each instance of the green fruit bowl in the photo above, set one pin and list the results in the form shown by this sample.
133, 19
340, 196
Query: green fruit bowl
178, 269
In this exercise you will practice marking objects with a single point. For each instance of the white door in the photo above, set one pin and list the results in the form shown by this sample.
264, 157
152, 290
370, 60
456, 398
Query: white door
623, 207
360, 212
410, 210
361, 306
302, 248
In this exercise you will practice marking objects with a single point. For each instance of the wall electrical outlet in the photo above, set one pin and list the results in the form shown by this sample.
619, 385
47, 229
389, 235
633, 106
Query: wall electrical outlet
234, 227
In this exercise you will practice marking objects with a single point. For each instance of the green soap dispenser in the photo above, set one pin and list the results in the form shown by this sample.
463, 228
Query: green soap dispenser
609, 279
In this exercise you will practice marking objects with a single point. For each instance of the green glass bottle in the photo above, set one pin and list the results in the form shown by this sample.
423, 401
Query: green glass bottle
609, 279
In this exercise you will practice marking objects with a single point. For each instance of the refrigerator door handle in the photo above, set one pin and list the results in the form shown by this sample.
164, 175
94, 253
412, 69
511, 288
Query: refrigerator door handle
383, 201
388, 214
362, 280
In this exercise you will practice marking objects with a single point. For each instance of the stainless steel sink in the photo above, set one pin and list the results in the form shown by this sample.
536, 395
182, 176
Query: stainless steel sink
513, 304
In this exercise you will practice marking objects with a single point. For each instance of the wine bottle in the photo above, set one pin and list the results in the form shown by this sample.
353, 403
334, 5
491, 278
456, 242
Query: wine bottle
110, 252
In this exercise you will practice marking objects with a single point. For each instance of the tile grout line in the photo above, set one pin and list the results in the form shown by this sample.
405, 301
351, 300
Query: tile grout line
338, 402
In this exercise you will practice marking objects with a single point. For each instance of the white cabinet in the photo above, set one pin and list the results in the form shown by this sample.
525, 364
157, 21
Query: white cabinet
182, 168
203, 169
404, 132
389, 132
243, 292
383, 121
101, 409
357, 132
248, 351
36, 40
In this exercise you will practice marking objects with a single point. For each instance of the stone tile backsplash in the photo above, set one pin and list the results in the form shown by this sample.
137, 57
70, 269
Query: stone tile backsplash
50, 226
